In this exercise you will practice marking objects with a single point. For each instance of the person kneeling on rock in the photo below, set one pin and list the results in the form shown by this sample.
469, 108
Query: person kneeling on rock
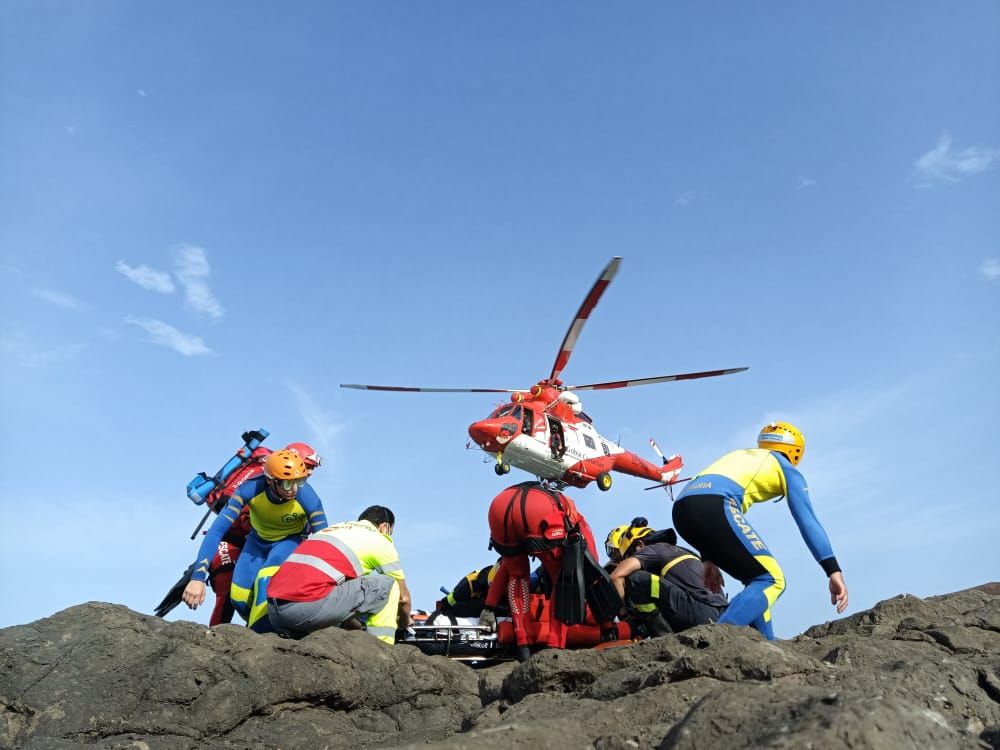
661, 582
344, 571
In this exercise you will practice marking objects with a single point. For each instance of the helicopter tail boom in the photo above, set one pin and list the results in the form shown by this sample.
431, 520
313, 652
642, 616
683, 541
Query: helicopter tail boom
630, 463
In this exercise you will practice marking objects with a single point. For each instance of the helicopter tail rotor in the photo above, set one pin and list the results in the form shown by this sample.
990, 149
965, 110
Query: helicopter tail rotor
671, 471
656, 449
672, 465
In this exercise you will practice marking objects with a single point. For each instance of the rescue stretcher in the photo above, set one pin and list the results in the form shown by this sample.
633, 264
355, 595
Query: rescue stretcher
464, 639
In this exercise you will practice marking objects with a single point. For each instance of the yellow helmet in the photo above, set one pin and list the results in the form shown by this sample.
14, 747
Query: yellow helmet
285, 464
622, 539
784, 438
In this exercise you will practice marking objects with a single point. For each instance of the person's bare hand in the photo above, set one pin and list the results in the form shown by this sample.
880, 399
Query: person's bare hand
713, 578
194, 594
838, 591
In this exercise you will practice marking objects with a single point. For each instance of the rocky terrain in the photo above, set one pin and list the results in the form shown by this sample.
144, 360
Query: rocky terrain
908, 673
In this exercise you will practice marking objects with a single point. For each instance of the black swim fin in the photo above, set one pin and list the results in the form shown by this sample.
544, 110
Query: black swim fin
173, 597
602, 596
569, 602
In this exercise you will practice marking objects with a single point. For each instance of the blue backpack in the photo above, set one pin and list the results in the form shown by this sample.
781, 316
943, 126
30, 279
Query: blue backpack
203, 487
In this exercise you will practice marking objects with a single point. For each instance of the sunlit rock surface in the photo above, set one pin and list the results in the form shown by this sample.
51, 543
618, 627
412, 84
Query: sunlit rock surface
908, 673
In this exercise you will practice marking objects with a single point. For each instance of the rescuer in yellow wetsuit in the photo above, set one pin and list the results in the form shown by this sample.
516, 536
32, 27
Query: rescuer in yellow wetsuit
710, 513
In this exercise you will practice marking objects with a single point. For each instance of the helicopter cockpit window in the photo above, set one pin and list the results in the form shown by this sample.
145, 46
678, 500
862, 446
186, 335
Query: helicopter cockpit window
528, 422
590, 442
503, 411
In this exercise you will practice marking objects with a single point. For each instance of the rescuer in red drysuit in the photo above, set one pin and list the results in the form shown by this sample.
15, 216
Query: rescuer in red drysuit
529, 519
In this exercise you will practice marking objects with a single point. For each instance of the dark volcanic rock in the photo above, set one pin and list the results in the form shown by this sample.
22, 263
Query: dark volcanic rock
777, 716
909, 673
101, 674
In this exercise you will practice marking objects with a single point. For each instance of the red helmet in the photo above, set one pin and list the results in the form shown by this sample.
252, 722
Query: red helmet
307, 453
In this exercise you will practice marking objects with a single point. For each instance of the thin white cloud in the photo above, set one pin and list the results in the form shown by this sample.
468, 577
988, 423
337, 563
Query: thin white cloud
166, 335
806, 182
941, 164
193, 272
59, 299
146, 277
688, 197
140, 92
320, 420
15, 349
990, 269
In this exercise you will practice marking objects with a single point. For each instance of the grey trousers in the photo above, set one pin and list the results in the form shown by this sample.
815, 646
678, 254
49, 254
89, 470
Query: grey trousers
368, 595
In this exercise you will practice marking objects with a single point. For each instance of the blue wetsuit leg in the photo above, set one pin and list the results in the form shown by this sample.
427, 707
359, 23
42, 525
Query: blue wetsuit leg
279, 552
250, 561
752, 606
715, 525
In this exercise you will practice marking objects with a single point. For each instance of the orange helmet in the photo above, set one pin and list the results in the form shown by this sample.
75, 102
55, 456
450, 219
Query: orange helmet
285, 464
784, 438
307, 453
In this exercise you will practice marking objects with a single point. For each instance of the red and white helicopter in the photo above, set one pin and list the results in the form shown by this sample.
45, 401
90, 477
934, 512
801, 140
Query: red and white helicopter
544, 431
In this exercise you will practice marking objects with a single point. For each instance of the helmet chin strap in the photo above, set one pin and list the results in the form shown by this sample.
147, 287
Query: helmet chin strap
272, 485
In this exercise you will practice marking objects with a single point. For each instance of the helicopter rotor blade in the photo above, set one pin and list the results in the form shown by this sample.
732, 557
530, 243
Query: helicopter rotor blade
589, 303
647, 381
407, 389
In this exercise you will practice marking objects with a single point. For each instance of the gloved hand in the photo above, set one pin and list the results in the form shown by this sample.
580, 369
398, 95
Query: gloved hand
488, 620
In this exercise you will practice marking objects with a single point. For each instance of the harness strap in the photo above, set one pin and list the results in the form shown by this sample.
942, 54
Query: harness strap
678, 559
530, 544
524, 509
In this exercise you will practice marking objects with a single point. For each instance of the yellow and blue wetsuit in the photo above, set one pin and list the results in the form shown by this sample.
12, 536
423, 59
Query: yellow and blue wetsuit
276, 528
468, 597
710, 513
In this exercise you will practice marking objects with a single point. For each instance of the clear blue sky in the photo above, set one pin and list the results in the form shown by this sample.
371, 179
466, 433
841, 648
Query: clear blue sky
213, 215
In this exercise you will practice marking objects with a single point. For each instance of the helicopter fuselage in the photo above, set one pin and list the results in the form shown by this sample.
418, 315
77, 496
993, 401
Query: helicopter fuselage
546, 437
544, 431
